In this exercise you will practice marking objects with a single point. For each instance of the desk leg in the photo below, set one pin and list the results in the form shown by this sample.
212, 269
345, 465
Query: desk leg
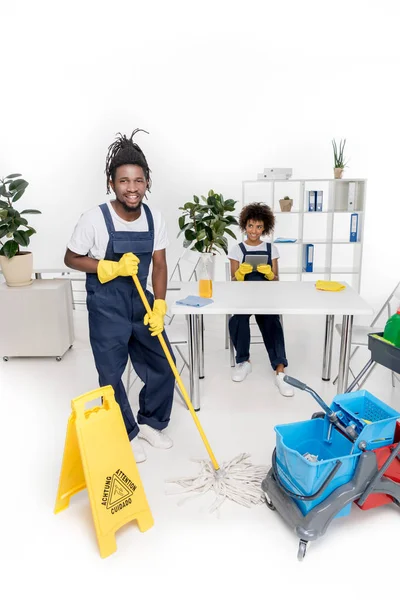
201, 341
326, 364
344, 358
194, 360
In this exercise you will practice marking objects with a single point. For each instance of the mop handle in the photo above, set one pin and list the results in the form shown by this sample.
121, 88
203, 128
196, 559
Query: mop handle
177, 376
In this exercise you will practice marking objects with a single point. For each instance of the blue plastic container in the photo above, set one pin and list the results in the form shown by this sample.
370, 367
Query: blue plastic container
303, 477
353, 408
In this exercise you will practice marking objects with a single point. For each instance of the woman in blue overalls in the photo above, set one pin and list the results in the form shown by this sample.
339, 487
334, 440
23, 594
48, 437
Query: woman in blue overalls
257, 220
117, 317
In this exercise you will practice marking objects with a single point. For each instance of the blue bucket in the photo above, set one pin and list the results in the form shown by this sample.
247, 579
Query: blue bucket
304, 477
359, 407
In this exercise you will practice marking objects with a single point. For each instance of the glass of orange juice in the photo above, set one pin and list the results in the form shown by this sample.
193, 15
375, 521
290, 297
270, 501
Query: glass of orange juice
205, 288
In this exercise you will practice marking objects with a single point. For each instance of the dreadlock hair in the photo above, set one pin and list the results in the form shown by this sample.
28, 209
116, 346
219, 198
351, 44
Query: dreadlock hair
258, 211
125, 152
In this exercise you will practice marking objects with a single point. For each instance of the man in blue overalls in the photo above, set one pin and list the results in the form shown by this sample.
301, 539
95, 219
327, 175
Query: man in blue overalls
110, 243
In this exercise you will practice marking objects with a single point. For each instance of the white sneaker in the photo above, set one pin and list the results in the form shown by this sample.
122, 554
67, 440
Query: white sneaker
284, 388
154, 437
241, 371
138, 450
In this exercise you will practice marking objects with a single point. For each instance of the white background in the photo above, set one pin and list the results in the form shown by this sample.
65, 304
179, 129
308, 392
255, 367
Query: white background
224, 88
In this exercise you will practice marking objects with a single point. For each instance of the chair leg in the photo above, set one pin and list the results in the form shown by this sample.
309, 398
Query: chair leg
366, 370
361, 385
227, 332
128, 379
186, 364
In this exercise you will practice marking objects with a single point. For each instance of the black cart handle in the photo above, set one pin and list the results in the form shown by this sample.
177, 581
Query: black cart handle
299, 496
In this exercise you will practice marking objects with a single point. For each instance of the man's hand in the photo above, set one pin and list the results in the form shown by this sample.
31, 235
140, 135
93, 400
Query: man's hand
155, 320
266, 271
125, 267
243, 270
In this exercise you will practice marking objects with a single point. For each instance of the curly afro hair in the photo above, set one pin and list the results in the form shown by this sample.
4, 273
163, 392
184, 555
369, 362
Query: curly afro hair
257, 211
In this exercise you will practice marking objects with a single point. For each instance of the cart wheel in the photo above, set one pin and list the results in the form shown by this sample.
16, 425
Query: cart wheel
302, 549
5, 358
269, 503
58, 358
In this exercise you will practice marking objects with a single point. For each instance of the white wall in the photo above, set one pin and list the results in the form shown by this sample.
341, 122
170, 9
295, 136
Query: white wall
224, 88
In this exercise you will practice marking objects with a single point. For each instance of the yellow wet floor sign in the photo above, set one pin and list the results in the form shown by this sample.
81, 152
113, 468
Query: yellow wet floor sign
98, 455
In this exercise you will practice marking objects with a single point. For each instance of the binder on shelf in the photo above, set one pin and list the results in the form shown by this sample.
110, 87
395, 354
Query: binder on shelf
311, 201
318, 200
351, 196
308, 258
354, 227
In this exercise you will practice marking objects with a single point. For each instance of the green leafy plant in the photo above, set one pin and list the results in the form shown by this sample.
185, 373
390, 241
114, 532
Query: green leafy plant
205, 224
12, 224
338, 155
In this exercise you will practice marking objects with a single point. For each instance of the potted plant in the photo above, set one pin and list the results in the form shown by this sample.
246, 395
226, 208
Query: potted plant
15, 232
286, 204
339, 159
204, 223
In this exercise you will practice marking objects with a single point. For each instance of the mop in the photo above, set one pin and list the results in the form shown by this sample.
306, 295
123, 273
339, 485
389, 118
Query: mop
237, 480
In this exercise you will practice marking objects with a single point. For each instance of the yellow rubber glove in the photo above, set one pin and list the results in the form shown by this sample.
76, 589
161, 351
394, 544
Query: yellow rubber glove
243, 270
125, 267
155, 321
329, 286
267, 271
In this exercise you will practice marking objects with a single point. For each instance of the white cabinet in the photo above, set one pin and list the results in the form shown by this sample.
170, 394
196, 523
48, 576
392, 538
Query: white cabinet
37, 320
328, 230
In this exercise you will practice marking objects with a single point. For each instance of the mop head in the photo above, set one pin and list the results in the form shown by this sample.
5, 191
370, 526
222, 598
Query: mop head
237, 480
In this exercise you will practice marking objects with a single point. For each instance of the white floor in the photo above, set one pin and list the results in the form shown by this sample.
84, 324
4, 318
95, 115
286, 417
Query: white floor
189, 552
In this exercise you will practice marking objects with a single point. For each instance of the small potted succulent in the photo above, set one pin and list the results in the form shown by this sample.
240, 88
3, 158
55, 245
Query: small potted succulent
286, 204
339, 161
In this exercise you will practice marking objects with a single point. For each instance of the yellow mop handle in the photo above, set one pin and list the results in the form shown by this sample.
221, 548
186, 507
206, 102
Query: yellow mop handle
177, 377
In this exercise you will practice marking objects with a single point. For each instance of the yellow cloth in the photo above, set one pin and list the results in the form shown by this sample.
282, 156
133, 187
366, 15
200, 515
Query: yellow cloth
125, 267
329, 286
267, 271
155, 321
243, 270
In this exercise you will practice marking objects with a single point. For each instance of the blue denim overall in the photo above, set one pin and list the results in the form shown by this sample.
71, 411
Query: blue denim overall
116, 329
269, 325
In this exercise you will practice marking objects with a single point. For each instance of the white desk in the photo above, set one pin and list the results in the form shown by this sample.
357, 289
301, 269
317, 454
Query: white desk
278, 297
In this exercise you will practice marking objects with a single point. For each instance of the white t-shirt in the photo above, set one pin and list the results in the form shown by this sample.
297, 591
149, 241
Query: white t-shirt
91, 236
236, 253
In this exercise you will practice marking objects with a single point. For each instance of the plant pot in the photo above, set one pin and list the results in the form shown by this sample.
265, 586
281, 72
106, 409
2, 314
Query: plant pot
338, 172
286, 204
18, 269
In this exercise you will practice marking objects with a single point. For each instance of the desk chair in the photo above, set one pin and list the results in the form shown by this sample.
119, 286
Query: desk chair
360, 336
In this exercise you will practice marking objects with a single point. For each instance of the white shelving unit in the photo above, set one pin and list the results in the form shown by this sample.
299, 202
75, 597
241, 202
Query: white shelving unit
335, 256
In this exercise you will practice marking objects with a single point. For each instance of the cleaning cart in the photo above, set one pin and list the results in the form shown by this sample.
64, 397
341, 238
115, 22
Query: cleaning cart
349, 453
